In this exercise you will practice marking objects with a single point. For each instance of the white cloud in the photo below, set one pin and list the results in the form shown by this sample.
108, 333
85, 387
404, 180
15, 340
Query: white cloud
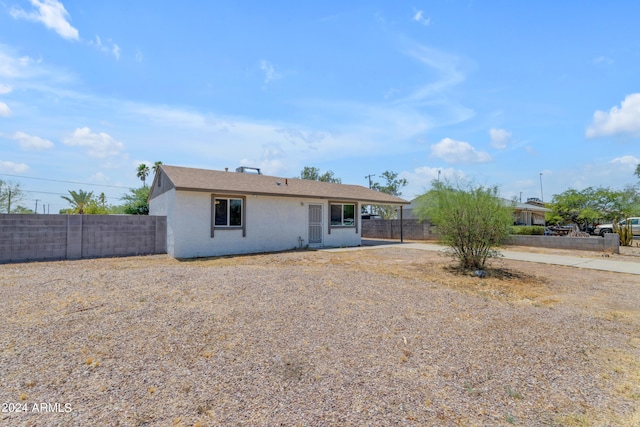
139, 56
499, 138
627, 162
12, 66
618, 121
108, 47
452, 151
270, 73
420, 18
31, 142
419, 181
52, 14
5, 89
99, 145
12, 167
5, 111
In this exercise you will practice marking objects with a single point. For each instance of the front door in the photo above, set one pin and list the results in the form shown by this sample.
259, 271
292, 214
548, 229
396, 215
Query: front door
315, 224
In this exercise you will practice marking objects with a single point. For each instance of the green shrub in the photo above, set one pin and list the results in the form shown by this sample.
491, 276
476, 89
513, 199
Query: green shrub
527, 230
472, 221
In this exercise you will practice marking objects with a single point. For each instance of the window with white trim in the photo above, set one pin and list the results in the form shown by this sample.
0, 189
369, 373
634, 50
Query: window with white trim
343, 214
227, 212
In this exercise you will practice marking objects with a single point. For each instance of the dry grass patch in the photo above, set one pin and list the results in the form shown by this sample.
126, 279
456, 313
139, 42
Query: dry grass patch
378, 337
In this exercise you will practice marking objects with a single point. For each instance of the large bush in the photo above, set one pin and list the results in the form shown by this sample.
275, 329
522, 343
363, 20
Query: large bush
471, 220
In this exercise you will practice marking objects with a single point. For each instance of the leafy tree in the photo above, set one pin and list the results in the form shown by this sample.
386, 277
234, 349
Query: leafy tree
392, 186
79, 200
313, 174
99, 206
136, 202
142, 173
10, 196
21, 210
471, 220
591, 205
637, 172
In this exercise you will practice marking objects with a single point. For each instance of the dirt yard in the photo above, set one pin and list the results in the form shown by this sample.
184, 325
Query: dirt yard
379, 337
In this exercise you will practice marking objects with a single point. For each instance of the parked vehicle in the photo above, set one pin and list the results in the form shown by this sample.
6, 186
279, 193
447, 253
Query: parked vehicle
603, 229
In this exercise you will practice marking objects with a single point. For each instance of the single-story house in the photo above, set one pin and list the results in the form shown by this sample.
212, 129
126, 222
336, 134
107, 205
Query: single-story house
529, 213
211, 213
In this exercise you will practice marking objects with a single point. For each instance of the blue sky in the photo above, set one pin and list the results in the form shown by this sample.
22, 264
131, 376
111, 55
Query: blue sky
493, 91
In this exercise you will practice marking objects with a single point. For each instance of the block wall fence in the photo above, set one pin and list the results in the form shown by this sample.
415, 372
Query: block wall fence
415, 230
39, 237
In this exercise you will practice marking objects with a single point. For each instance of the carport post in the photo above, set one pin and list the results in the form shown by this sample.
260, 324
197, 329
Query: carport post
401, 226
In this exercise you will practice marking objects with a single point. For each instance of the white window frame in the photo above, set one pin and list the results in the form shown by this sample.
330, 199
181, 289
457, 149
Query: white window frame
228, 226
342, 221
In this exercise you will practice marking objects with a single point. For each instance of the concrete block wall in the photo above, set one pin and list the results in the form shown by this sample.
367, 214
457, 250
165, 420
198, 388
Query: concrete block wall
610, 243
390, 229
32, 237
29, 237
414, 230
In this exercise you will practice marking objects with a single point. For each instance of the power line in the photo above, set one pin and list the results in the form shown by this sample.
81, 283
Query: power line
67, 182
58, 194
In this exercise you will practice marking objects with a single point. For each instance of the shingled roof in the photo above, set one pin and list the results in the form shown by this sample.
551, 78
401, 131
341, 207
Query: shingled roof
222, 182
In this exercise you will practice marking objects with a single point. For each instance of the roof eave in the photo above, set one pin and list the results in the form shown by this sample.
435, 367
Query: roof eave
309, 196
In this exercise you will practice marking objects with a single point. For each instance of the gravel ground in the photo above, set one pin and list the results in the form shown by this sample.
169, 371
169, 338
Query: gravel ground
381, 337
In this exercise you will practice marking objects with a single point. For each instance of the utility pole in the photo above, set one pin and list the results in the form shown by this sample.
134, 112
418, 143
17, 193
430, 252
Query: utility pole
521, 197
369, 177
541, 194
9, 202
439, 175
36, 211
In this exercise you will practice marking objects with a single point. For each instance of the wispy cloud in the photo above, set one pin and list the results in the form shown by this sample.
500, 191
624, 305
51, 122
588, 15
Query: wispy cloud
500, 138
420, 18
12, 167
5, 111
12, 66
269, 70
139, 56
623, 120
603, 60
98, 145
52, 14
108, 47
452, 151
447, 67
31, 142
5, 89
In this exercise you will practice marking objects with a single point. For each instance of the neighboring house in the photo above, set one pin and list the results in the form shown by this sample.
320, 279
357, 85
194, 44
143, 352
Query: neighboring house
211, 213
529, 213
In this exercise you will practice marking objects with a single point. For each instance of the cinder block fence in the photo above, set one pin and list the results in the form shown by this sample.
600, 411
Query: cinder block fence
35, 237
416, 230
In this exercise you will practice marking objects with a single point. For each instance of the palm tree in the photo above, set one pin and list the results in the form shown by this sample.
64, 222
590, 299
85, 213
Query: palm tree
79, 200
143, 172
156, 166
